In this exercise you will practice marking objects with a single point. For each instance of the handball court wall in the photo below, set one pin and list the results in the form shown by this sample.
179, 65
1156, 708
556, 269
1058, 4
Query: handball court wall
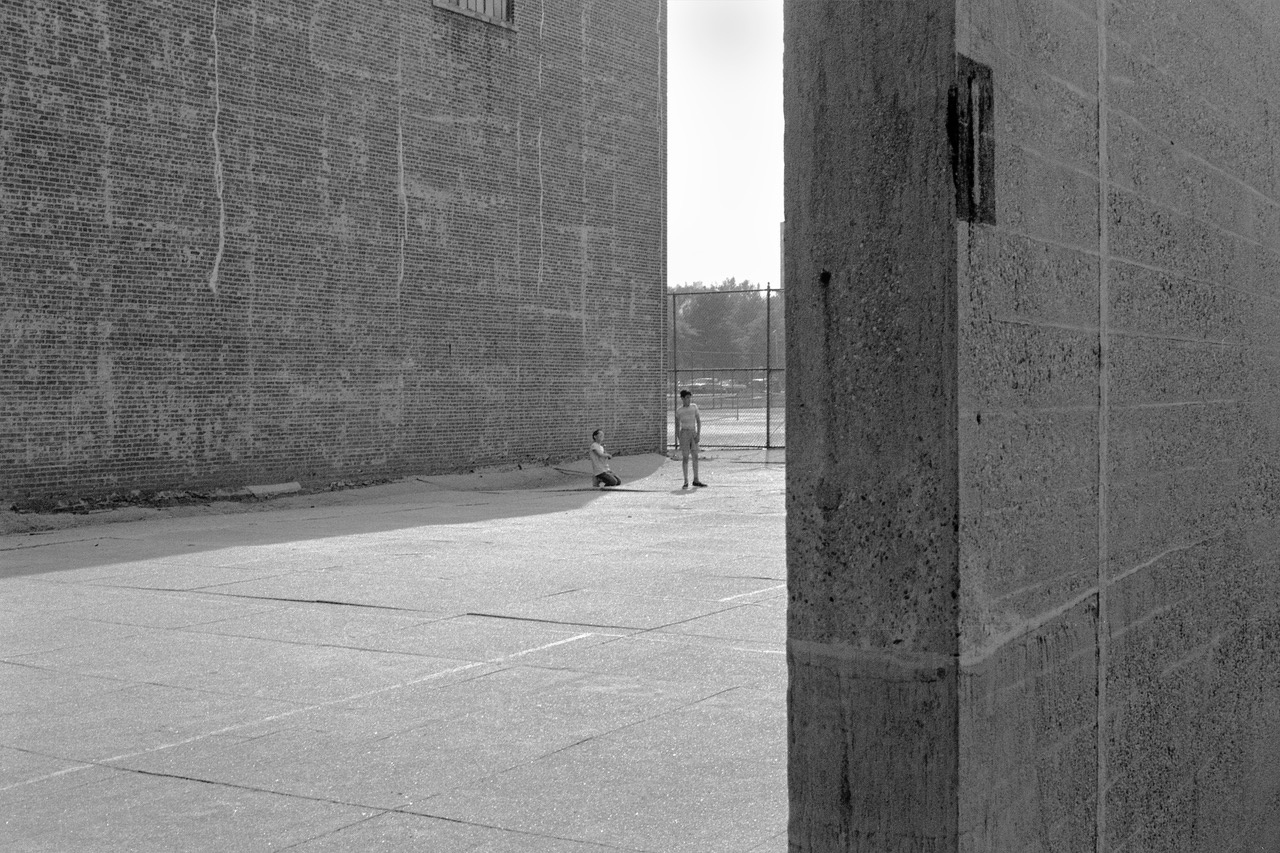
1033, 270
256, 241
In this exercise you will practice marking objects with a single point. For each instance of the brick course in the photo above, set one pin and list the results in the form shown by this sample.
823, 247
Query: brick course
265, 241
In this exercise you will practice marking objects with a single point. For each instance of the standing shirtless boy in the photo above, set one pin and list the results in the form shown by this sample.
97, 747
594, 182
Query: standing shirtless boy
688, 432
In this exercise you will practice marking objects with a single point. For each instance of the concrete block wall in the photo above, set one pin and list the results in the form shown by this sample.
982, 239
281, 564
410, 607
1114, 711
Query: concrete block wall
1117, 543
1029, 432
1119, 564
258, 241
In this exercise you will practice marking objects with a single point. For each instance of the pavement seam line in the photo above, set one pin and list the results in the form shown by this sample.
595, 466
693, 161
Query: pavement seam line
696, 618
554, 621
378, 810
333, 832
206, 590
504, 829
599, 735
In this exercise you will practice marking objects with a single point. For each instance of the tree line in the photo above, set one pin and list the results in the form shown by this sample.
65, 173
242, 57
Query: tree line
732, 324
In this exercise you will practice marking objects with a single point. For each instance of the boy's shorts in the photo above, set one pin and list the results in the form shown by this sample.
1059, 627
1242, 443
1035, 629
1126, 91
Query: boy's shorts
688, 440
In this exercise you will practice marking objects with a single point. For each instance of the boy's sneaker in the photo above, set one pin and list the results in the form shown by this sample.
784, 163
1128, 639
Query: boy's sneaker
699, 483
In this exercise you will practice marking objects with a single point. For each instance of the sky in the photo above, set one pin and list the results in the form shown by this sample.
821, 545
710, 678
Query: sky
724, 140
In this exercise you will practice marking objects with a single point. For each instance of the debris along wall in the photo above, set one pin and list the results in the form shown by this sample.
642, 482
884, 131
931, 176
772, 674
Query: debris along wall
260, 241
1115, 258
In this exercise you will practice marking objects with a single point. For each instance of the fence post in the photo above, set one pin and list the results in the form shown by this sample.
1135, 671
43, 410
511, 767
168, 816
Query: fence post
768, 366
675, 365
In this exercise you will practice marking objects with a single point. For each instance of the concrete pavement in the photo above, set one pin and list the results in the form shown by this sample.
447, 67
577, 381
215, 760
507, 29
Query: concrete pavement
489, 662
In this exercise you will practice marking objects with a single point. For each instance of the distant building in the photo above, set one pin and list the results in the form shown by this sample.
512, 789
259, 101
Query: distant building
256, 242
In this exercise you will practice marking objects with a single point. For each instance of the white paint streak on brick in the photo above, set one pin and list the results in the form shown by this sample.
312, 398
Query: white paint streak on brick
542, 223
217, 157
582, 154
312, 23
400, 179
108, 133
660, 111
398, 416
519, 180
551, 313
542, 190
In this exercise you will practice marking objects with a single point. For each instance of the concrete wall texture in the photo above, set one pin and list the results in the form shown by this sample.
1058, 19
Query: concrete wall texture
1034, 505
248, 241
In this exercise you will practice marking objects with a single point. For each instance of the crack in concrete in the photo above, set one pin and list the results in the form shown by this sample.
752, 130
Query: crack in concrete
556, 622
205, 590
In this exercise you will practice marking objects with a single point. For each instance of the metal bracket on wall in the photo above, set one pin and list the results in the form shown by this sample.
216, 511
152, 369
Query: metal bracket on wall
970, 120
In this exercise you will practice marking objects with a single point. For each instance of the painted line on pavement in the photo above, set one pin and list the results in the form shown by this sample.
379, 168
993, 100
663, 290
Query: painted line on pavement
756, 592
85, 765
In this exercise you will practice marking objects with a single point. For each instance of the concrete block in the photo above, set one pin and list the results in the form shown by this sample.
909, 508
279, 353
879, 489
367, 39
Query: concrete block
1040, 112
1033, 40
1165, 304
1018, 457
1016, 278
1044, 199
1201, 123
1028, 739
1147, 371
1184, 730
1024, 561
1166, 511
1009, 365
1147, 442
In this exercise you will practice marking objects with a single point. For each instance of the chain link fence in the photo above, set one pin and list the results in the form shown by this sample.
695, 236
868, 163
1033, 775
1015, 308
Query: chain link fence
729, 349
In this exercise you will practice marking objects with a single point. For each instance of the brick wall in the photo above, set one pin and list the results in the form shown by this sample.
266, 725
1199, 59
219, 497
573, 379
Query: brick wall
265, 241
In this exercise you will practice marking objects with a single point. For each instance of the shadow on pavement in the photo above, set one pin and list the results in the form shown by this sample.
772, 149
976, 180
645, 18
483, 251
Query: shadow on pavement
115, 536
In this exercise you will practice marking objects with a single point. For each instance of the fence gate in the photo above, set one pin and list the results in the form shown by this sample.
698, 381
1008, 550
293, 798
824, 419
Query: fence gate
728, 348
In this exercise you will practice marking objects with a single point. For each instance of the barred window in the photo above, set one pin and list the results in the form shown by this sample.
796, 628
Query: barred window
497, 11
